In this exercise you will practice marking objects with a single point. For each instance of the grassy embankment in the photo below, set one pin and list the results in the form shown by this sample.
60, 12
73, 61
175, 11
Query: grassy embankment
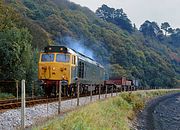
114, 113
4, 96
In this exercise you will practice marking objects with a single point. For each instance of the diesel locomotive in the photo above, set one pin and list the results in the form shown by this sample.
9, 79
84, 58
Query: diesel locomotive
60, 63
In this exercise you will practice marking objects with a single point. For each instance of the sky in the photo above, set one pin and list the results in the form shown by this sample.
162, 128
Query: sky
139, 11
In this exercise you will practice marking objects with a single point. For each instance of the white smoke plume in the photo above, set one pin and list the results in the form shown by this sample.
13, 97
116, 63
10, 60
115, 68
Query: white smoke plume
77, 45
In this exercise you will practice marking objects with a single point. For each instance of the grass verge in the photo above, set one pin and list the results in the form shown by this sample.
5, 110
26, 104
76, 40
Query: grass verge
114, 113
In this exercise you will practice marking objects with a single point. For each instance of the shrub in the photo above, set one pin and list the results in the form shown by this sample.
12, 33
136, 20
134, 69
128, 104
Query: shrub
6, 96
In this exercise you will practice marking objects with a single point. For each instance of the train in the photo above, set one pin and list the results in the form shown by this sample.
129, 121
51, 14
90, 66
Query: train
60, 64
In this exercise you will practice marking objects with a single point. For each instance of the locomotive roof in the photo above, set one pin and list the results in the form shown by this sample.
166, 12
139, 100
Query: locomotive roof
64, 49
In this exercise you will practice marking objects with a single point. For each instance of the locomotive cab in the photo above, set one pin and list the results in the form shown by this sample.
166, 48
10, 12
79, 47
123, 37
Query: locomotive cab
55, 64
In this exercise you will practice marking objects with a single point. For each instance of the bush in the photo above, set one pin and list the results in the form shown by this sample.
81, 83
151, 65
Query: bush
139, 105
135, 100
6, 96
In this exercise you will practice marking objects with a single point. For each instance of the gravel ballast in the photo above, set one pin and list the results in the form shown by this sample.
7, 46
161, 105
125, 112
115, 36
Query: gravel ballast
11, 119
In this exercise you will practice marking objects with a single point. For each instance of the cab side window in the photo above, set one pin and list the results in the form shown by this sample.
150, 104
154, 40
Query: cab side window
73, 60
81, 70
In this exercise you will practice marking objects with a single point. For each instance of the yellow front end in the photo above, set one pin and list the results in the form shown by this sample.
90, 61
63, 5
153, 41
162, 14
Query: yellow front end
54, 66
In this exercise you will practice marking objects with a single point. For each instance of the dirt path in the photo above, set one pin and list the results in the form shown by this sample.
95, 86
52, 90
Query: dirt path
162, 113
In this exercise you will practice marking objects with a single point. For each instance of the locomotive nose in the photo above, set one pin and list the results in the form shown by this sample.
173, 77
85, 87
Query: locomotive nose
44, 67
63, 69
63, 73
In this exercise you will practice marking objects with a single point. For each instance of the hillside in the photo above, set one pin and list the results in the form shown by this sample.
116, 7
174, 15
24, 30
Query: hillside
125, 53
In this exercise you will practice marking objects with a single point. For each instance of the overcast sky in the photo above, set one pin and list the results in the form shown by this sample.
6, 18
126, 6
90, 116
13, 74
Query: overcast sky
140, 10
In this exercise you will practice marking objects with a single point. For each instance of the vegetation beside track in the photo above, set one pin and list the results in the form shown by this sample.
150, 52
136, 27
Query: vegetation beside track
114, 113
4, 96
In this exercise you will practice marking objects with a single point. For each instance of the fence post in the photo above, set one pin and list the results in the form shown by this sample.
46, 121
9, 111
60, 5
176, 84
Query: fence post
116, 90
33, 86
111, 91
106, 92
17, 89
59, 106
99, 92
23, 104
47, 106
91, 93
77, 92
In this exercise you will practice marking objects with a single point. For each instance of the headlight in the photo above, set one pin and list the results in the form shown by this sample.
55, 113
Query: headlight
44, 67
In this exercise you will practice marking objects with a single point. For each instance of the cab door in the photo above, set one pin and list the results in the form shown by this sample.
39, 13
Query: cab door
73, 68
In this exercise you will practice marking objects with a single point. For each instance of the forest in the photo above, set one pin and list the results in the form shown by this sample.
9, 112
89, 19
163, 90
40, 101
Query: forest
150, 54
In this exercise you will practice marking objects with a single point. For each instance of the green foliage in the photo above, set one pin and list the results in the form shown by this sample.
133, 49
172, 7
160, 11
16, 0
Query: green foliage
175, 38
165, 26
135, 100
4, 96
117, 71
130, 54
8, 18
151, 29
15, 52
17, 59
117, 17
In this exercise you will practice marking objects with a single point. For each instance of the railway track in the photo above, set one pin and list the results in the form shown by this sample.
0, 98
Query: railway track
14, 103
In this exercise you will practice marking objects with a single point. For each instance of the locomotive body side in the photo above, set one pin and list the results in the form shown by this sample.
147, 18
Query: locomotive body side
90, 72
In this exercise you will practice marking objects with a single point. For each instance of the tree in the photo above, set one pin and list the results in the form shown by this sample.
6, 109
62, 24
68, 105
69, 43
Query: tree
15, 53
8, 18
117, 17
117, 71
60, 18
165, 26
175, 37
170, 30
151, 29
